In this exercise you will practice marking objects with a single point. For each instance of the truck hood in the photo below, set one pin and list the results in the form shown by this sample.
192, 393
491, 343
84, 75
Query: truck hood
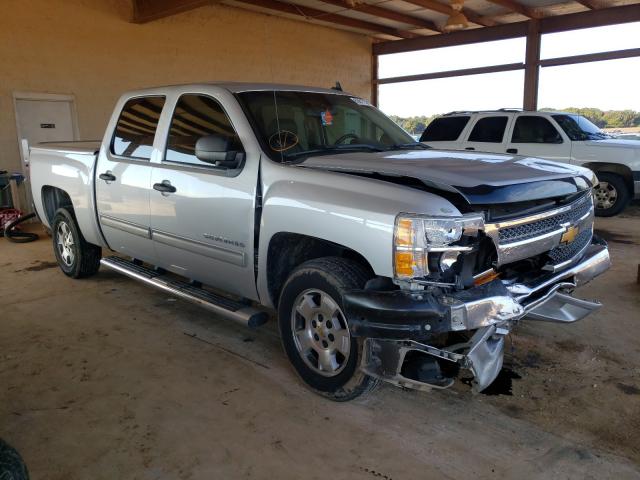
480, 178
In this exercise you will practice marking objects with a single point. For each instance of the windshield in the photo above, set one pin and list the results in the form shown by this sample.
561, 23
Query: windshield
294, 125
579, 128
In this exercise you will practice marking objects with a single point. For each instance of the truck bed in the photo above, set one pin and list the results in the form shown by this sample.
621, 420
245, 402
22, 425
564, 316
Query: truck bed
91, 147
69, 167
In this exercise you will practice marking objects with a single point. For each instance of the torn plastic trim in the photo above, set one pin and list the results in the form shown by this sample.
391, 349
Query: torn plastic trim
489, 309
482, 355
418, 315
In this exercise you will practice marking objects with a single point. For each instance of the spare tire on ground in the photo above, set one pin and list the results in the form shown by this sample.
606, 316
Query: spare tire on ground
12, 467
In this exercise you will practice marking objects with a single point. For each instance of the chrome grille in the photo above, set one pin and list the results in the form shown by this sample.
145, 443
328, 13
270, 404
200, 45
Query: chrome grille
527, 231
562, 253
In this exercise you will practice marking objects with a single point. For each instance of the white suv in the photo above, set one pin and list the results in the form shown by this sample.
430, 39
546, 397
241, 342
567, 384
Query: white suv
560, 136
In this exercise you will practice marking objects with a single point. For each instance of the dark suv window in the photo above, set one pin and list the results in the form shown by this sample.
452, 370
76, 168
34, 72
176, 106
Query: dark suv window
136, 127
444, 129
489, 129
533, 129
196, 116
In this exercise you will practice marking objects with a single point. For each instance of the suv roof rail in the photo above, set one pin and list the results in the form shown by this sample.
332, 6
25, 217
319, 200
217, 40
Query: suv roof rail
469, 112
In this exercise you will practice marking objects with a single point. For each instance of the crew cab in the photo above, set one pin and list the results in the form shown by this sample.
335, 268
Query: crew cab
559, 136
384, 259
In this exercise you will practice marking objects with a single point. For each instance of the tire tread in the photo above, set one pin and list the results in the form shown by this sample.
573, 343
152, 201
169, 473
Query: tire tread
348, 275
89, 254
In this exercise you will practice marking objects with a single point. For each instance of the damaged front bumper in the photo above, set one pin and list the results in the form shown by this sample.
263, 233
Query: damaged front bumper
398, 325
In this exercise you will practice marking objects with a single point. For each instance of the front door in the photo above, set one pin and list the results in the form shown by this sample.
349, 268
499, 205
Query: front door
203, 228
536, 136
123, 179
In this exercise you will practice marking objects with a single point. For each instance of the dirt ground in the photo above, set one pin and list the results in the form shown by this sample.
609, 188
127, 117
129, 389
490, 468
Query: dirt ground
107, 379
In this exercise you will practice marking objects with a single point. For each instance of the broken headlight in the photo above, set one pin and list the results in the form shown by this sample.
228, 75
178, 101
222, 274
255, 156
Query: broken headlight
416, 236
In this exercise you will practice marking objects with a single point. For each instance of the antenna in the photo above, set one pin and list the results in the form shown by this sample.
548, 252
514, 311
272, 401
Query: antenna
337, 87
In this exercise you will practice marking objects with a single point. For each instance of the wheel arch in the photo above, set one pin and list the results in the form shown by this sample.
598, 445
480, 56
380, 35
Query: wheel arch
615, 168
288, 250
54, 198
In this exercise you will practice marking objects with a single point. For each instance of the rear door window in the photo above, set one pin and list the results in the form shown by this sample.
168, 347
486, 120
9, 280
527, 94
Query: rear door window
444, 129
136, 128
534, 129
489, 129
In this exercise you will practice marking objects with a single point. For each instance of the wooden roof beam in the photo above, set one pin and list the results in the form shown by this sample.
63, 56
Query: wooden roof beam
557, 23
321, 15
591, 4
148, 10
386, 13
516, 7
445, 9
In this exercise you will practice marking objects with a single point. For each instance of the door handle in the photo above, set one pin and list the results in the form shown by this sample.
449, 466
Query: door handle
164, 187
107, 177
512, 150
469, 148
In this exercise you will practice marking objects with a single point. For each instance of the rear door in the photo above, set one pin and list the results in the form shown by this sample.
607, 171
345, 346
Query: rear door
536, 136
488, 133
123, 177
203, 229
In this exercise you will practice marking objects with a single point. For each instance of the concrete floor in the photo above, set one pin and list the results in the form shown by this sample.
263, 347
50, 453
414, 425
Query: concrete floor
107, 379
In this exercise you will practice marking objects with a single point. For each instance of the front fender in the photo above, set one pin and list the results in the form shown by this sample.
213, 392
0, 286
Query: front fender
352, 211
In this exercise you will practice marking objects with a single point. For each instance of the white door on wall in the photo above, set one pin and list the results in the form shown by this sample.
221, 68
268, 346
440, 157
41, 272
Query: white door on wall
43, 118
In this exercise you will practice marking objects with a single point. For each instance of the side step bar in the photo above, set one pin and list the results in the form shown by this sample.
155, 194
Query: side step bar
239, 312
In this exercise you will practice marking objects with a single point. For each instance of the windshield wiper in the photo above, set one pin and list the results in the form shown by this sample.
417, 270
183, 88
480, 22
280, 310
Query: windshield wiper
335, 148
595, 136
409, 146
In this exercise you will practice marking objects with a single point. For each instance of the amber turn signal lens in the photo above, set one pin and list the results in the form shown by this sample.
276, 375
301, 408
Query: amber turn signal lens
405, 264
486, 278
404, 233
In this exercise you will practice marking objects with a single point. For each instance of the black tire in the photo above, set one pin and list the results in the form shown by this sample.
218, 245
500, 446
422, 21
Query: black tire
331, 276
77, 259
610, 181
12, 466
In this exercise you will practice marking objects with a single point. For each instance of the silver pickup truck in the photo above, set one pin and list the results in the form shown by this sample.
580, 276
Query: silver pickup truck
384, 259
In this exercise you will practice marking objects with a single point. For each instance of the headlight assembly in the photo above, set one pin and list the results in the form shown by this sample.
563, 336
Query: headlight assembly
415, 236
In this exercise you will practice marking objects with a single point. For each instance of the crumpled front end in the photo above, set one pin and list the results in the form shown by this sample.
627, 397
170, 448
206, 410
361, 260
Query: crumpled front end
425, 337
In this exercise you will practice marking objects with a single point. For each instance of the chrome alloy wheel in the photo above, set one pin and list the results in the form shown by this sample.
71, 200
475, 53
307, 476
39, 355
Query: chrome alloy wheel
320, 332
605, 195
65, 244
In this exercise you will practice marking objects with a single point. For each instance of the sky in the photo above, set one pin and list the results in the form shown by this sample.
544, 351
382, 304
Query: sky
608, 85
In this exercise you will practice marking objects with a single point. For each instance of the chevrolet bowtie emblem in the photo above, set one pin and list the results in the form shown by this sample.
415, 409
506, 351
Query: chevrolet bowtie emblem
570, 235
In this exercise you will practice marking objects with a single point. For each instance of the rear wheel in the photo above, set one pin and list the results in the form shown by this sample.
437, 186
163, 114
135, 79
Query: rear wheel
611, 195
314, 331
76, 257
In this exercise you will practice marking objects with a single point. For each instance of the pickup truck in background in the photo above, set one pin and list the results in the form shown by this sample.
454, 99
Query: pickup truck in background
384, 259
559, 136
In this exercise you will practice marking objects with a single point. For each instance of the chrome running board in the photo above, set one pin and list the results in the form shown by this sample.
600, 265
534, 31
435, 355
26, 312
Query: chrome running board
225, 307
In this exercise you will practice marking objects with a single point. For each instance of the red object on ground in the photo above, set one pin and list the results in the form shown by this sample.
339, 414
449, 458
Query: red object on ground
8, 215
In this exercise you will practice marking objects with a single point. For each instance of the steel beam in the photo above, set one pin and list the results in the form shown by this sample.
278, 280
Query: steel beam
532, 67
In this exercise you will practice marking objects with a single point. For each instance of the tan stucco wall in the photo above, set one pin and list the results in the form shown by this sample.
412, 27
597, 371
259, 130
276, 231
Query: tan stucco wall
88, 48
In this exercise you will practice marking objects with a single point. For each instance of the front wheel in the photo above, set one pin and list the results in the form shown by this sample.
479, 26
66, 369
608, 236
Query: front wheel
76, 257
611, 195
314, 331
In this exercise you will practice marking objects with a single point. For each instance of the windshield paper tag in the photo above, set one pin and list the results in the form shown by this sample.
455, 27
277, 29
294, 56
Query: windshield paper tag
327, 118
359, 101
